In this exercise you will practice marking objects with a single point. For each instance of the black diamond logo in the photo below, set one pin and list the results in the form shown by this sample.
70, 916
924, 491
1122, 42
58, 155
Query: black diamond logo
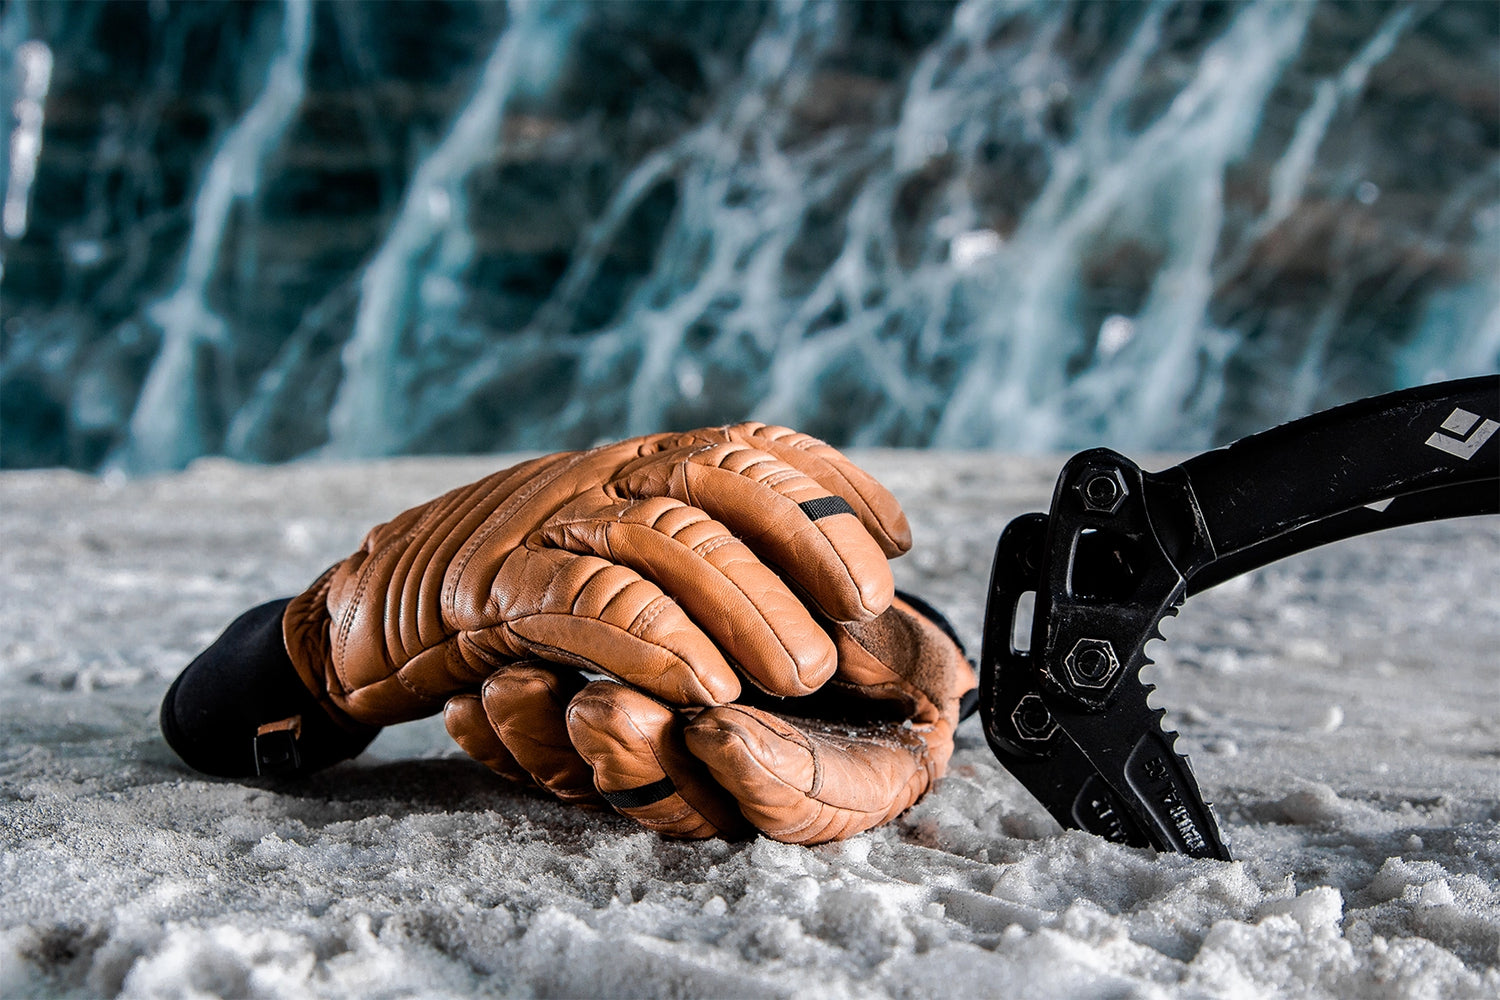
1459, 423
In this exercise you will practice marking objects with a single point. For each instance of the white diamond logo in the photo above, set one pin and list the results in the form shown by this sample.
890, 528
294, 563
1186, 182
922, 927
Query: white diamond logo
1459, 423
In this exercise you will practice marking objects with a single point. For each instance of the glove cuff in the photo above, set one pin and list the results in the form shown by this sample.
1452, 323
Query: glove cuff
933, 615
240, 709
969, 703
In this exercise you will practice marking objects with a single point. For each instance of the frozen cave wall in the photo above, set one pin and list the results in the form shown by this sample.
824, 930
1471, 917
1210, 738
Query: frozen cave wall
279, 229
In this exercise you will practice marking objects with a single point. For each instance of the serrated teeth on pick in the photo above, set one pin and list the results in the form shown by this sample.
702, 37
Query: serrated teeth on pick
1213, 814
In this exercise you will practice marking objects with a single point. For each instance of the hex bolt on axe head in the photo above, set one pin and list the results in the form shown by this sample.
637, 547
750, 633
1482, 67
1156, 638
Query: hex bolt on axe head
1032, 719
1103, 489
1091, 664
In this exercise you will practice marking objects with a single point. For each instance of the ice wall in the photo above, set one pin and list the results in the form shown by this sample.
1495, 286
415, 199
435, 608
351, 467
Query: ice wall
309, 228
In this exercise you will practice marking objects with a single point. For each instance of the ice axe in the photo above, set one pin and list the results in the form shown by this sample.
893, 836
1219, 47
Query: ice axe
1063, 706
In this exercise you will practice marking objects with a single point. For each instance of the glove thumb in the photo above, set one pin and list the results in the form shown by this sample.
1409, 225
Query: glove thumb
887, 735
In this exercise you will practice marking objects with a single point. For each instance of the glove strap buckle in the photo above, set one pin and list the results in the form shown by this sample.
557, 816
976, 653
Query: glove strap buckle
276, 747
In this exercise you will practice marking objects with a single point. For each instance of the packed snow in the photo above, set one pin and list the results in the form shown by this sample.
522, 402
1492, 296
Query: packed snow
1342, 709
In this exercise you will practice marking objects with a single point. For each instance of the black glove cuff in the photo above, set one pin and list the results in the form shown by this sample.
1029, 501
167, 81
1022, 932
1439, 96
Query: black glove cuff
240, 709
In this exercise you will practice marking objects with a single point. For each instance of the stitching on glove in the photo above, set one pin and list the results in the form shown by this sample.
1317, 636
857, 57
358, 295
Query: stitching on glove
725, 452
458, 662
406, 677
450, 582
400, 676
772, 432
435, 507
783, 473
780, 471
499, 517
583, 586
709, 545
387, 553
649, 613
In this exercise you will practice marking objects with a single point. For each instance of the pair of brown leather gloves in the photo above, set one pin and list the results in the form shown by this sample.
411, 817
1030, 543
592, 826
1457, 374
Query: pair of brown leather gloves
700, 630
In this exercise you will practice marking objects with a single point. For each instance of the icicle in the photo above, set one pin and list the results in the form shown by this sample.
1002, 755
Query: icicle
1017, 391
372, 412
715, 251
1006, 321
847, 273
34, 67
1290, 174
1459, 332
173, 416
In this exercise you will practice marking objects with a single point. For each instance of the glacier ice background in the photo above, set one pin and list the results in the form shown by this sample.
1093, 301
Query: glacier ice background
286, 229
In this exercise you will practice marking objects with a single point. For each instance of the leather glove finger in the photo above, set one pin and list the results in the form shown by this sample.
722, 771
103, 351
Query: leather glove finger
798, 781
587, 612
735, 599
807, 781
526, 724
516, 727
788, 519
888, 738
811, 780
643, 768
465, 719
873, 504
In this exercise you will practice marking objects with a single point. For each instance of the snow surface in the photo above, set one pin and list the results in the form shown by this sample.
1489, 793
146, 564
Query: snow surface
1341, 707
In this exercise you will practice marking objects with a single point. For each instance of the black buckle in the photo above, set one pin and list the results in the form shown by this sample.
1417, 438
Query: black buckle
276, 747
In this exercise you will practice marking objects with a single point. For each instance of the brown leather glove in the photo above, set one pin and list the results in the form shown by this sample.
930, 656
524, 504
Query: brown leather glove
648, 560
807, 770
